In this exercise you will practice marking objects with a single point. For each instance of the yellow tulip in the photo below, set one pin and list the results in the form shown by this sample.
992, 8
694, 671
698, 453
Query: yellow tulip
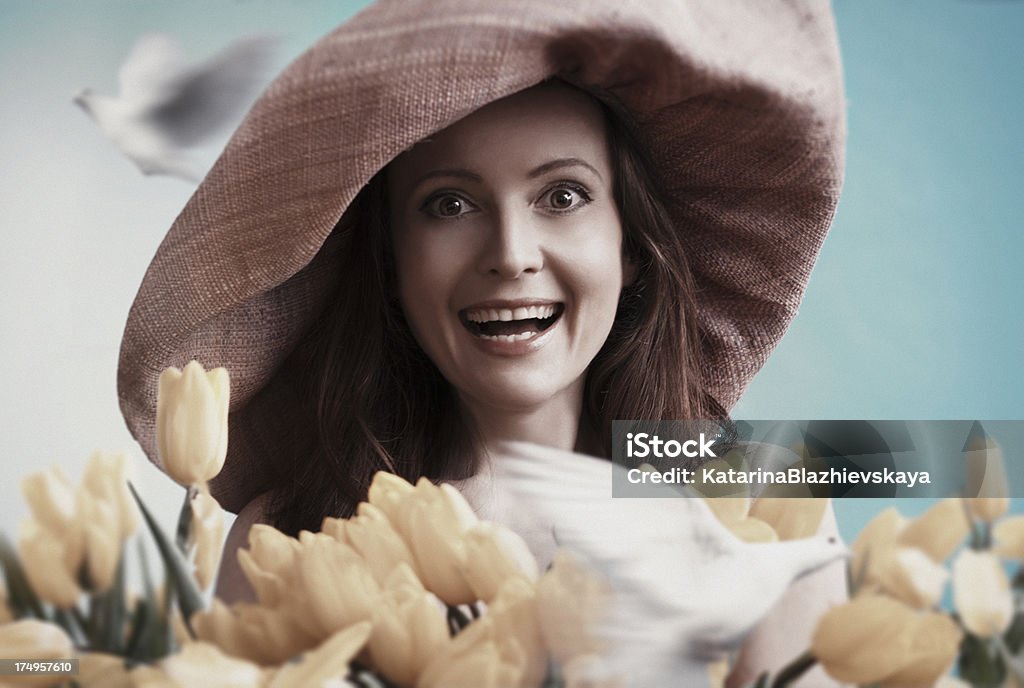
433, 521
146, 676
1008, 537
493, 554
335, 586
938, 531
981, 593
874, 639
986, 480
336, 528
791, 519
192, 422
371, 534
906, 573
100, 670
44, 558
51, 497
478, 665
106, 478
207, 537
203, 664
728, 510
571, 601
102, 539
330, 660
591, 671
516, 622
269, 563
409, 628
219, 626
387, 492
276, 635
878, 535
29, 640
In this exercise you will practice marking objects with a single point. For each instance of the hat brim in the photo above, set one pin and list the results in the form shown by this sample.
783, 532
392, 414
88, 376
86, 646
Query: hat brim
740, 106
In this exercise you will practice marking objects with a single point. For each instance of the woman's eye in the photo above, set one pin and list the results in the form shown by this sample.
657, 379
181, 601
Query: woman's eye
448, 206
565, 198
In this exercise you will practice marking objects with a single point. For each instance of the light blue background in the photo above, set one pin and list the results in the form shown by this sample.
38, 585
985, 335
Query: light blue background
913, 311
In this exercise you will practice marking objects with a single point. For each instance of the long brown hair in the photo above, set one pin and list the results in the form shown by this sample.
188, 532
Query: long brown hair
381, 404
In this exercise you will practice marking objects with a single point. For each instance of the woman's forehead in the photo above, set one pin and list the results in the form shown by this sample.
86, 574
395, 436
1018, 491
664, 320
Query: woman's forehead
523, 131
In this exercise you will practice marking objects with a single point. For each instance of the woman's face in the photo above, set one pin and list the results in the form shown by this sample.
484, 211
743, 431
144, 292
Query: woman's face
508, 247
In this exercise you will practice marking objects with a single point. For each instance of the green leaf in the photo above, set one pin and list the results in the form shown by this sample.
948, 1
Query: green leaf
184, 522
111, 607
761, 682
178, 574
980, 662
148, 628
1014, 636
21, 598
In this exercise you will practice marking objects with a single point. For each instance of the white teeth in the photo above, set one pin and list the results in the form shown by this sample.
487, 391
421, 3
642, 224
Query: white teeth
507, 314
509, 337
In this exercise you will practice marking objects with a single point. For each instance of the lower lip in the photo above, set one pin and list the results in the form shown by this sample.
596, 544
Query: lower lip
519, 347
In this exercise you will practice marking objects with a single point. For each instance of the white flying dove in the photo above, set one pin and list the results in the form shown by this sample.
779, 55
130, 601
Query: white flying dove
167, 106
685, 587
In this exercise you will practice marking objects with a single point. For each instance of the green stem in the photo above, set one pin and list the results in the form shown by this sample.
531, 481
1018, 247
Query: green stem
794, 670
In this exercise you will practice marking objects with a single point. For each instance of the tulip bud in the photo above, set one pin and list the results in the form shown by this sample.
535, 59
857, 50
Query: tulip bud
101, 669
938, 531
409, 628
908, 574
791, 519
269, 563
192, 422
493, 554
986, 485
981, 593
106, 478
207, 537
875, 639
335, 586
329, 660
202, 664
34, 639
475, 657
1008, 537
387, 491
571, 601
433, 521
370, 533
51, 497
44, 559
102, 540
516, 623
879, 534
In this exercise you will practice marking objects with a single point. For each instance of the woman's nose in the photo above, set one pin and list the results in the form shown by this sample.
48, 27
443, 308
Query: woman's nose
512, 247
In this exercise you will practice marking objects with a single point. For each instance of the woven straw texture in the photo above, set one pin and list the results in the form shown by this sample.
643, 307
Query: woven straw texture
739, 102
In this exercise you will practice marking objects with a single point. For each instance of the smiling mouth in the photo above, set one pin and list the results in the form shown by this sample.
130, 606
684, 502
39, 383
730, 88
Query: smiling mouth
511, 324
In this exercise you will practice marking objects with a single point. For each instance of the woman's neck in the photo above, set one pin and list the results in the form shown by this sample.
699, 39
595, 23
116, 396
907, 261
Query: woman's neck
554, 423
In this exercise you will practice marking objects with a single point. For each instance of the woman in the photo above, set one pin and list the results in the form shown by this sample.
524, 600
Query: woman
411, 249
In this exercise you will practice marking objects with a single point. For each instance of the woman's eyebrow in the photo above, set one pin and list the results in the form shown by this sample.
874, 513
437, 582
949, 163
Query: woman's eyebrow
563, 162
456, 172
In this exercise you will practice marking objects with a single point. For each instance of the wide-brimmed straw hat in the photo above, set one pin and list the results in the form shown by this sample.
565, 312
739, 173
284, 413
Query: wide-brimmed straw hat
739, 104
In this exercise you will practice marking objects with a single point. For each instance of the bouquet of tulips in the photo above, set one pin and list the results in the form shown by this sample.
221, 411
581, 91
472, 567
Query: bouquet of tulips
415, 590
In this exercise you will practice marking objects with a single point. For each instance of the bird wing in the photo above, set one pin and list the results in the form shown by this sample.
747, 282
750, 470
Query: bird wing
147, 75
189, 103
